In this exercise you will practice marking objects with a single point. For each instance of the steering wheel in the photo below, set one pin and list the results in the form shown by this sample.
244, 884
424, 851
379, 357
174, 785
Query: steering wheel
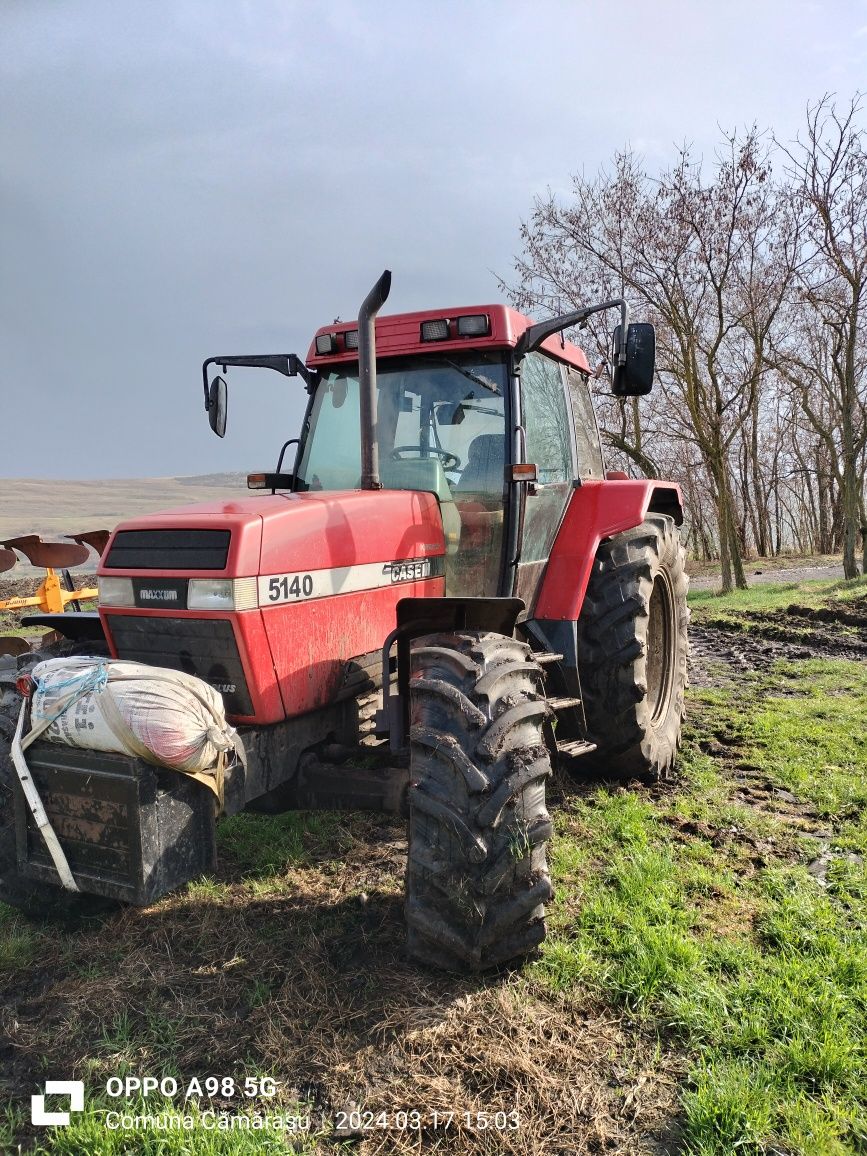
450, 461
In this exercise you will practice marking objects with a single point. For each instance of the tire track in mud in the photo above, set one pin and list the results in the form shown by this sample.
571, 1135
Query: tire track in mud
724, 655
720, 651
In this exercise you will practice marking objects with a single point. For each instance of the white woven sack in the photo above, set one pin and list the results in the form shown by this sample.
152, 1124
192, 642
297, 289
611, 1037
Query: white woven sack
133, 709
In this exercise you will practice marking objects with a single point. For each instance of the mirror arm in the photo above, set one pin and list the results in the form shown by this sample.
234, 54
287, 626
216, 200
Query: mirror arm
533, 337
205, 383
297, 368
624, 332
289, 364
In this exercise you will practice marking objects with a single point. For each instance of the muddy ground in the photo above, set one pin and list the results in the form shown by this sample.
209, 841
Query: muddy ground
308, 978
757, 640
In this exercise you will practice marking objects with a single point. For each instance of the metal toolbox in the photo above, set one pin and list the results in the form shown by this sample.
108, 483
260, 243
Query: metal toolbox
130, 831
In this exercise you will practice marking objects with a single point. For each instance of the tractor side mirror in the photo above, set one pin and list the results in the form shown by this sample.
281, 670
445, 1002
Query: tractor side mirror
635, 378
218, 397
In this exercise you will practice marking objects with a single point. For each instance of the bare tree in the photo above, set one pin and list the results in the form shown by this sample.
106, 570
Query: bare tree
710, 262
828, 169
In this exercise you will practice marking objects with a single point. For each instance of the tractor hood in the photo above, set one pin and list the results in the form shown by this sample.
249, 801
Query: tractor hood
312, 581
275, 533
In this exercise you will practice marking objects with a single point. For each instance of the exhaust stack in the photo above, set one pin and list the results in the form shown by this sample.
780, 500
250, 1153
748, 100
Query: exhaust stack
370, 306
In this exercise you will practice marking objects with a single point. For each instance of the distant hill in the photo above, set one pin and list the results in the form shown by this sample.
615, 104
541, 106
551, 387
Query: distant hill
227, 480
53, 508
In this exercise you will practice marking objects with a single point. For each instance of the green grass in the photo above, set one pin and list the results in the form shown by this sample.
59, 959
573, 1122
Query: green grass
756, 969
265, 845
710, 606
815, 742
19, 941
207, 890
11, 1121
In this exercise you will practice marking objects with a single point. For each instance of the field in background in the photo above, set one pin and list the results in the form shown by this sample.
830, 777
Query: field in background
51, 508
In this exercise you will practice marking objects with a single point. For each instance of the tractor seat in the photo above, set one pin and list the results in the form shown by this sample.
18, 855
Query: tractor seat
479, 501
425, 474
415, 474
479, 491
483, 473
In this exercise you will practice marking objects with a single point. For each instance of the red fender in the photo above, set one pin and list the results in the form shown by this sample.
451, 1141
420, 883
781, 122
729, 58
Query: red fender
596, 511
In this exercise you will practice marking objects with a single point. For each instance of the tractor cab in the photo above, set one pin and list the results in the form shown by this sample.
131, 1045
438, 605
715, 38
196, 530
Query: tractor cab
478, 406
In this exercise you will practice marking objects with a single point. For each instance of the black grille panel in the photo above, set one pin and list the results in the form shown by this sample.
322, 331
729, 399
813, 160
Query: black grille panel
169, 550
204, 647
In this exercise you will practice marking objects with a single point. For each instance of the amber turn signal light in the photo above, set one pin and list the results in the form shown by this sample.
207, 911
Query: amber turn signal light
522, 472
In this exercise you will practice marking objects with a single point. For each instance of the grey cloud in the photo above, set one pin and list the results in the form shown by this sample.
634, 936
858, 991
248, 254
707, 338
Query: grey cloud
180, 179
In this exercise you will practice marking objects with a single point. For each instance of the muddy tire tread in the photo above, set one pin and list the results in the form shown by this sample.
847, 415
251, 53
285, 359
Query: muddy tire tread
612, 648
477, 875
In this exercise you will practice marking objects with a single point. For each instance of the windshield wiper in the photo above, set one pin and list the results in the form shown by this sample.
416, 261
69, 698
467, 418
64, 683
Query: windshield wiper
474, 377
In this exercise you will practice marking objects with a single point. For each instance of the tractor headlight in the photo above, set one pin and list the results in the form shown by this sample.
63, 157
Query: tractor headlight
210, 594
222, 594
474, 325
115, 592
435, 330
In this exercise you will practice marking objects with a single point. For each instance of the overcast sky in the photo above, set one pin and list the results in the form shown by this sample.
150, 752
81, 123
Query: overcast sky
223, 176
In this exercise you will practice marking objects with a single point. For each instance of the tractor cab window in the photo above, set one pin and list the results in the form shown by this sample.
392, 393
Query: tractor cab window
547, 423
440, 428
332, 458
588, 448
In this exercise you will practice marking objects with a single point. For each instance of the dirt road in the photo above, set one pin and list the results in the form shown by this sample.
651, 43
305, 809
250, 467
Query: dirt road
759, 577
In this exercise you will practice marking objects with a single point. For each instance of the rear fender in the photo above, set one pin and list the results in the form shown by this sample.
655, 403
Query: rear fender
596, 511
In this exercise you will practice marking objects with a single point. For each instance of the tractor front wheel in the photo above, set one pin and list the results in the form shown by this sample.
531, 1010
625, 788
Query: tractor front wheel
477, 875
632, 651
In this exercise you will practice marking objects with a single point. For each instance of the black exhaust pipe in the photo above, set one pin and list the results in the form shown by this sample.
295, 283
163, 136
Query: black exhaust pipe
370, 306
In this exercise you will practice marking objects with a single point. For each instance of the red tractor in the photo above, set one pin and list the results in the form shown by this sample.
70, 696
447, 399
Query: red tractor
444, 595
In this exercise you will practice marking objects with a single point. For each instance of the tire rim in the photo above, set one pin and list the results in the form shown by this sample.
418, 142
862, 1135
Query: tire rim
660, 648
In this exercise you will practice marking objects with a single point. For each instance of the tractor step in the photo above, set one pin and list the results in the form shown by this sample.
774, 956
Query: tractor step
575, 748
544, 657
558, 704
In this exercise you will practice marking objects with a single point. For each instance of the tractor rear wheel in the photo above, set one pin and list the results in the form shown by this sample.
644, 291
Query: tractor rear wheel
477, 874
632, 648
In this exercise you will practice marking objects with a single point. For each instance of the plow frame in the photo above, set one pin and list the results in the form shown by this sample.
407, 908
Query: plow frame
57, 590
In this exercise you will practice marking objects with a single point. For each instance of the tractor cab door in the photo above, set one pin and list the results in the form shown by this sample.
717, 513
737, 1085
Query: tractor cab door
563, 442
546, 421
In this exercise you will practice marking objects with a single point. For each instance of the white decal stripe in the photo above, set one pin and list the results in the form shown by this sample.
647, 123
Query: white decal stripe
306, 586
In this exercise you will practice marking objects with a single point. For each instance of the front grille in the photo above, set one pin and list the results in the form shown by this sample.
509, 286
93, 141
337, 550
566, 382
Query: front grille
204, 647
169, 550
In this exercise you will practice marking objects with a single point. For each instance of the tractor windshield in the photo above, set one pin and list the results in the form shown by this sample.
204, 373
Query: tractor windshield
441, 428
